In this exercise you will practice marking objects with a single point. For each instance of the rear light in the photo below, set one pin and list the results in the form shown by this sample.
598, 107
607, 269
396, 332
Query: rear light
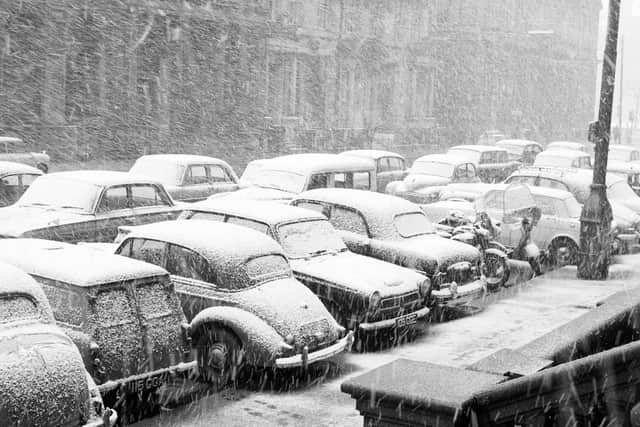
374, 301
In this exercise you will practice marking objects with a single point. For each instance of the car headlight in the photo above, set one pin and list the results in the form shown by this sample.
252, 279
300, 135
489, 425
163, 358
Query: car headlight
374, 301
289, 339
424, 287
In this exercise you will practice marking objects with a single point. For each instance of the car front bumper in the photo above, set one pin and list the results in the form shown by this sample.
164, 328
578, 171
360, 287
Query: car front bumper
305, 358
463, 295
393, 323
143, 378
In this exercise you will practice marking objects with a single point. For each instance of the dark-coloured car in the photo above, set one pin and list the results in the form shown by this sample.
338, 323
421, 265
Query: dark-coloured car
493, 163
429, 173
187, 178
43, 381
390, 166
85, 206
238, 292
521, 150
394, 230
123, 314
15, 178
362, 293
13, 149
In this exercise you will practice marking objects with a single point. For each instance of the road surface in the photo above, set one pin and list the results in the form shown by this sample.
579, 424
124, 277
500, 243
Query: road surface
517, 316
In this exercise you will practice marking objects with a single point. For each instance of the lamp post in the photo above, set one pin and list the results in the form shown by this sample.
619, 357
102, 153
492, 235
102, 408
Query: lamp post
595, 221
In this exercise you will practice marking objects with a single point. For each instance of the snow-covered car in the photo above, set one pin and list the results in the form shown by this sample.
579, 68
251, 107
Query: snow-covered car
85, 206
251, 172
239, 293
15, 178
13, 150
43, 381
429, 173
123, 314
397, 231
390, 166
521, 150
567, 145
363, 294
563, 158
281, 178
492, 163
187, 178
624, 153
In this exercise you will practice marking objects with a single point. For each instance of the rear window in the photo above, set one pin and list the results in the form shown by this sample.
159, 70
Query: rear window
113, 307
68, 306
266, 267
18, 307
154, 300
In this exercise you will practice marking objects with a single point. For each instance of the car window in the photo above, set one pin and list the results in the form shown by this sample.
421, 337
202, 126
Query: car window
184, 262
362, 180
266, 267
218, 174
254, 225
151, 251
546, 205
384, 165
114, 198
146, 195
113, 307
11, 180
340, 180
196, 174
317, 207
552, 183
471, 171
488, 157
154, 300
635, 155
67, 304
396, 164
318, 181
460, 172
210, 216
18, 307
348, 220
27, 179
530, 180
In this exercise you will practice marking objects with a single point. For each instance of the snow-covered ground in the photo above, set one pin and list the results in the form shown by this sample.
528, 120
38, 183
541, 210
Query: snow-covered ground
516, 317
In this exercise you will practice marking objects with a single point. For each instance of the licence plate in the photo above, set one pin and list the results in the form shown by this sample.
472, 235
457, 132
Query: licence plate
147, 383
406, 320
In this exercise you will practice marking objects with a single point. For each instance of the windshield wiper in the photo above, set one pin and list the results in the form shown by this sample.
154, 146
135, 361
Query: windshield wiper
320, 252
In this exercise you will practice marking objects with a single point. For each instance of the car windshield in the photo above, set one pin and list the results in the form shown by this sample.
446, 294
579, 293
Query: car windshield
18, 307
165, 172
621, 191
413, 224
465, 154
441, 169
61, 193
267, 267
279, 180
309, 238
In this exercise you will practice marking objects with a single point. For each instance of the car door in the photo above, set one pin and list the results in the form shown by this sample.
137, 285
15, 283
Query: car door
196, 184
221, 179
486, 166
388, 169
550, 223
353, 229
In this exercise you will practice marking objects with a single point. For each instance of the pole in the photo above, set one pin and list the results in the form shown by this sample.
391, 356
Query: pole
620, 91
595, 221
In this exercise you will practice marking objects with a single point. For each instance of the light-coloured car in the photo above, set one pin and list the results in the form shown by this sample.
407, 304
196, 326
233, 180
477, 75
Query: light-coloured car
563, 158
492, 163
429, 173
521, 150
238, 291
86, 206
363, 294
281, 178
15, 178
14, 150
390, 166
567, 145
187, 178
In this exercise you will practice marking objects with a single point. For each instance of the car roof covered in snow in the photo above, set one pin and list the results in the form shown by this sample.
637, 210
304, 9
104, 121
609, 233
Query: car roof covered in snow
442, 158
10, 139
15, 281
218, 242
554, 193
477, 147
76, 265
271, 213
10, 168
319, 162
622, 147
101, 177
569, 145
371, 154
182, 159
517, 142
564, 153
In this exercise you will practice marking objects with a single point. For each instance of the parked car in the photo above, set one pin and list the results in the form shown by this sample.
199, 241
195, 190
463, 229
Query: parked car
15, 178
238, 292
521, 150
363, 294
122, 314
85, 206
187, 178
251, 171
563, 158
281, 178
43, 381
429, 173
492, 163
389, 166
623, 153
397, 231
567, 145
14, 150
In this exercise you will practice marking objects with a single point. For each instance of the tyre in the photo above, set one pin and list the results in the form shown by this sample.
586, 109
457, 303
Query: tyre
496, 271
563, 252
220, 357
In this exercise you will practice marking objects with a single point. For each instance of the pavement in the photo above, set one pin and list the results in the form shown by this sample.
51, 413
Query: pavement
516, 316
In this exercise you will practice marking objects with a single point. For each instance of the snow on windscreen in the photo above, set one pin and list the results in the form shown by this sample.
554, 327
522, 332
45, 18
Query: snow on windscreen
262, 268
307, 238
444, 170
16, 308
279, 180
413, 224
164, 172
62, 193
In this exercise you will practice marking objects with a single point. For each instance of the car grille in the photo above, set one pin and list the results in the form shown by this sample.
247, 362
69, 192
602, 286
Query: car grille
400, 300
313, 334
395, 306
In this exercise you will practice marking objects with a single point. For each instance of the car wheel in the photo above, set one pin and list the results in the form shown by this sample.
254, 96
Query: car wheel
563, 252
496, 271
220, 357
43, 167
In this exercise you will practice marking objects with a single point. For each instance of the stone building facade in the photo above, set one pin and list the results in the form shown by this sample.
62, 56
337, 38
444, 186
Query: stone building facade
240, 78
